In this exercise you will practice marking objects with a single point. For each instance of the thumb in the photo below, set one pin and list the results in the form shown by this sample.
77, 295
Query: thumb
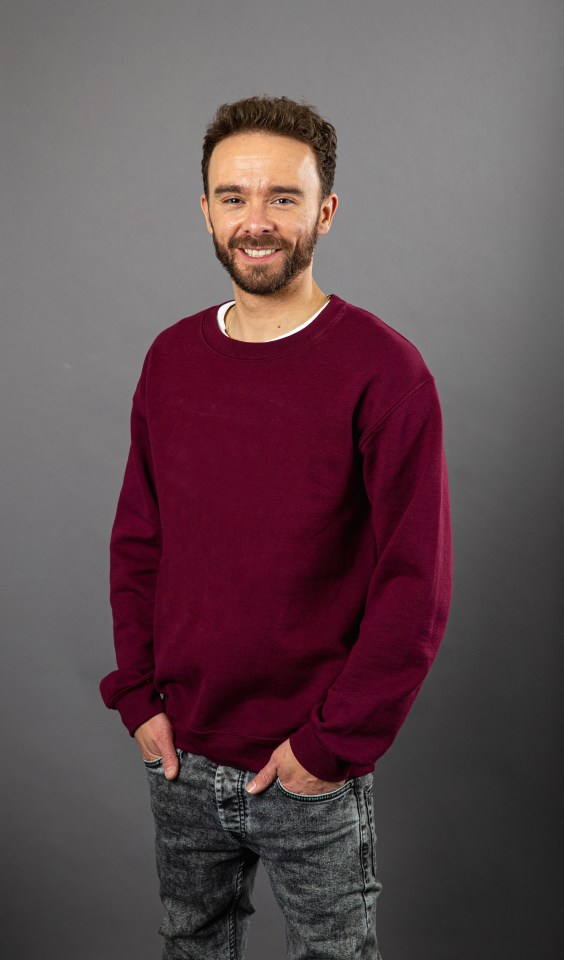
171, 764
262, 779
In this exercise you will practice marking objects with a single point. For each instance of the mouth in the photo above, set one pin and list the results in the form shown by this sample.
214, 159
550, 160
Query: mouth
253, 255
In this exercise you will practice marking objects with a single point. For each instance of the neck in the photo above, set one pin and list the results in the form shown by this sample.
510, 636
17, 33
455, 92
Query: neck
256, 319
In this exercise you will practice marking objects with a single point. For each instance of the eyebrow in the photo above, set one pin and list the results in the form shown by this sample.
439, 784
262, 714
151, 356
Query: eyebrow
277, 188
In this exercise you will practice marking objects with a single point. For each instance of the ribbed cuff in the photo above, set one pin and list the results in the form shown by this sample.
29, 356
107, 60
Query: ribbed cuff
315, 758
138, 706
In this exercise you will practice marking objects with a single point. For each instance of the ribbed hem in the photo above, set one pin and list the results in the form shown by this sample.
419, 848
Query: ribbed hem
252, 755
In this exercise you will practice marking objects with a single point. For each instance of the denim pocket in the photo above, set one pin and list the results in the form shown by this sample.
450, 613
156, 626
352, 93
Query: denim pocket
157, 764
315, 797
153, 764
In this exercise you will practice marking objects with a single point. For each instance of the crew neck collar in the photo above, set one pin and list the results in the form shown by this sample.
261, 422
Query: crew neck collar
263, 350
224, 308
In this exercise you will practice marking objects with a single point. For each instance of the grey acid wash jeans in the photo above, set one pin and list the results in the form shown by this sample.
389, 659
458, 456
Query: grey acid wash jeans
319, 853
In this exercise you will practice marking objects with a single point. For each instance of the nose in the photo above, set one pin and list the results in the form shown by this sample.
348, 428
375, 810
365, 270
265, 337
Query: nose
258, 218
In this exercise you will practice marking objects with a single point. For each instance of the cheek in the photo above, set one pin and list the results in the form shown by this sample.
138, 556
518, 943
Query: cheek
307, 223
227, 217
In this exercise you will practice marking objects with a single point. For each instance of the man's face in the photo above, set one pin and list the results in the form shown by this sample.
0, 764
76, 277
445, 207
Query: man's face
264, 194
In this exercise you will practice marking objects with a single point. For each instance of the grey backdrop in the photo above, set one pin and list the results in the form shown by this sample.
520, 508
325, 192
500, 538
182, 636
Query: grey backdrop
450, 125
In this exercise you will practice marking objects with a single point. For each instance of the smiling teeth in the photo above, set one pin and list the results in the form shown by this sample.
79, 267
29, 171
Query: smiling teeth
259, 253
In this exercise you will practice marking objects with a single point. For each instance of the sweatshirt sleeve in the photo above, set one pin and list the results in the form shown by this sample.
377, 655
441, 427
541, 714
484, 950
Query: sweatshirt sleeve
135, 547
408, 598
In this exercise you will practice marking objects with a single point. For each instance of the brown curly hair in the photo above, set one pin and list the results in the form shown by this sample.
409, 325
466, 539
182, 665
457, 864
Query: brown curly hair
281, 116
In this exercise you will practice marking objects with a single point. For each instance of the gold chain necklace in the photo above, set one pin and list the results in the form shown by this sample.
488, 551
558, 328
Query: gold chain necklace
228, 323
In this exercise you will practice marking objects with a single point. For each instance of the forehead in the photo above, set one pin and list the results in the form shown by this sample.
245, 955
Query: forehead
254, 156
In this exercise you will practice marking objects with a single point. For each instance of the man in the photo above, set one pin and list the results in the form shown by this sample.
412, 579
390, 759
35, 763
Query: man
281, 561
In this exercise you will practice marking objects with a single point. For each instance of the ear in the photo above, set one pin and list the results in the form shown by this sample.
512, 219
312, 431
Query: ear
206, 212
327, 212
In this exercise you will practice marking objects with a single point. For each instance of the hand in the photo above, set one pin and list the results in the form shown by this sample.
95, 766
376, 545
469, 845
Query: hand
156, 739
284, 765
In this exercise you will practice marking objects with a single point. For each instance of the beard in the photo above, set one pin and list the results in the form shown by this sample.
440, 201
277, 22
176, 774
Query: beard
266, 279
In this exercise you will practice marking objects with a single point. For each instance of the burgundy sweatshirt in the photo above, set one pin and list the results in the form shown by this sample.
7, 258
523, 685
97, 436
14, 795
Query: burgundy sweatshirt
281, 558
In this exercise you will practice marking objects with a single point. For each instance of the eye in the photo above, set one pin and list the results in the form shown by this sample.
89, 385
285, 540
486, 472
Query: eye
284, 200
229, 199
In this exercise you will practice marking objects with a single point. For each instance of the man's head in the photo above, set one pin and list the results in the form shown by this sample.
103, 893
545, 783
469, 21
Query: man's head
268, 168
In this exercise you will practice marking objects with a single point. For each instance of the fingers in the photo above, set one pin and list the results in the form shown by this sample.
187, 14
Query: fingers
156, 740
153, 729
262, 779
283, 763
171, 763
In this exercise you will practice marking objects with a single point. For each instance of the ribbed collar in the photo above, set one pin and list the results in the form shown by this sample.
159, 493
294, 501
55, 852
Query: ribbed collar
245, 350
